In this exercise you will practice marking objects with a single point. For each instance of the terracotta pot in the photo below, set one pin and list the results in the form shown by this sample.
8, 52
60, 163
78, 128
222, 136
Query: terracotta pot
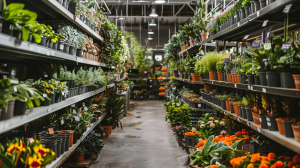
280, 125
192, 42
236, 78
180, 142
296, 133
80, 158
172, 126
227, 77
106, 130
195, 77
110, 129
256, 118
297, 81
228, 105
77, 15
208, 87
204, 35
236, 109
211, 75
219, 76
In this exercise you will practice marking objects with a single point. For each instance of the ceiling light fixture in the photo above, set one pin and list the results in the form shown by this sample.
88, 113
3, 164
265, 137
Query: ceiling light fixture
150, 31
150, 38
160, 1
121, 18
152, 23
153, 12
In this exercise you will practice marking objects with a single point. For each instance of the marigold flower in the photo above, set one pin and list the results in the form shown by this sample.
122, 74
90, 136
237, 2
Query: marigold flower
264, 162
271, 156
243, 130
264, 158
263, 166
250, 165
290, 164
278, 164
238, 133
255, 159
287, 158
214, 166
296, 159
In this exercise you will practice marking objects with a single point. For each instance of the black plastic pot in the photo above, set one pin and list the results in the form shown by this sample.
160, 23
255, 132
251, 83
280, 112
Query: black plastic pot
53, 98
247, 12
6, 28
176, 73
241, 111
262, 77
187, 141
67, 136
82, 17
216, 75
243, 79
231, 107
263, 3
95, 29
193, 142
72, 7
223, 104
263, 121
272, 124
58, 97
87, 22
9, 113
66, 48
256, 80
63, 144
72, 50
79, 52
50, 44
273, 78
288, 128
244, 113
251, 79
48, 102
20, 108
271, 1
249, 114
242, 13
55, 46
222, 76
43, 41
59, 145
287, 80
256, 5
252, 7
237, 17
92, 26
50, 144
60, 46
254, 148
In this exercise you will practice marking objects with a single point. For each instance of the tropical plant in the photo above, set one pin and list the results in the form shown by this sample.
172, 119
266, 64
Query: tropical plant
92, 143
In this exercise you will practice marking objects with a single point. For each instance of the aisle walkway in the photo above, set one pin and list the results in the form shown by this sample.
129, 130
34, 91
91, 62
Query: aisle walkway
146, 140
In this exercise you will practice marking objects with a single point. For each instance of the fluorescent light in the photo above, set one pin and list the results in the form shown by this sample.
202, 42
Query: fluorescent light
121, 18
160, 1
153, 12
150, 31
150, 38
152, 23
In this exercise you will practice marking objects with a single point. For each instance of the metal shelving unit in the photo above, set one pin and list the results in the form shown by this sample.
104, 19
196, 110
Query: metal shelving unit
64, 156
188, 81
290, 143
41, 111
121, 79
68, 15
199, 109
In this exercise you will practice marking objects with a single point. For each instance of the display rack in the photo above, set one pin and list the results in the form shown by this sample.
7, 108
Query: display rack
188, 81
41, 111
199, 109
290, 143
64, 156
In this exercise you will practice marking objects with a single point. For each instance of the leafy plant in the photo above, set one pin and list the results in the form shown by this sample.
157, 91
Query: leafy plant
92, 143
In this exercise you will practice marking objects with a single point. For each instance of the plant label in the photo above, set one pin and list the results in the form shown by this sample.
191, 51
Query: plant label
255, 140
73, 105
264, 90
269, 124
77, 118
246, 37
226, 60
31, 139
151, 86
50, 130
61, 46
141, 97
4, 76
249, 124
199, 105
267, 46
49, 109
129, 70
85, 108
62, 122
44, 95
257, 13
145, 72
255, 45
74, 111
260, 119
286, 46
238, 24
249, 87
235, 85
268, 119
212, 82
15, 89
287, 8
265, 23
258, 129
150, 80
238, 119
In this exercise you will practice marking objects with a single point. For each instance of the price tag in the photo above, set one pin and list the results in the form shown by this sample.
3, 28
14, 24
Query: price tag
255, 45
249, 87
265, 23
199, 105
287, 8
44, 95
238, 24
15, 89
264, 90
61, 46
226, 60
151, 86
258, 129
212, 82
145, 72
268, 119
77, 118
260, 119
4, 76
73, 105
257, 13
74, 111
50, 130
267, 46
31, 139
249, 124
269, 124
285, 46
85, 108
235, 85
62, 122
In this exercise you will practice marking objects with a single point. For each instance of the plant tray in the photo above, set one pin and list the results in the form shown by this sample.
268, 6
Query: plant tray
192, 104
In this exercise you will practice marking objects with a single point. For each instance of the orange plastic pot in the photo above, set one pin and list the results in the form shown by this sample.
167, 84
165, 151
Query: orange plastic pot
80, 158
195, 77
297, 81
219, 76
227, 77
211, 75
208, 87
256, 118
236, 109
296, 131
280, 125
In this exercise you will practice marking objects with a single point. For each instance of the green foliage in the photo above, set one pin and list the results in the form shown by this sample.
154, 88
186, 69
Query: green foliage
211, 125
92, 143
138, 52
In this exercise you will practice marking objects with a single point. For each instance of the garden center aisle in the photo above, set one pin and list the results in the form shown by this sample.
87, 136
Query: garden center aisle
146, 140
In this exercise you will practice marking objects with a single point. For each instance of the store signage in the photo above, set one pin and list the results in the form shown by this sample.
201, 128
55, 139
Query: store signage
226, 60
255, 45
287, 8
285, 46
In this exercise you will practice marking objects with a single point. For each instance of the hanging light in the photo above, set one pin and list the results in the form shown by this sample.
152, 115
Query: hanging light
121, 18
152, 23
150, 38
160, 1
153, 12
150, 31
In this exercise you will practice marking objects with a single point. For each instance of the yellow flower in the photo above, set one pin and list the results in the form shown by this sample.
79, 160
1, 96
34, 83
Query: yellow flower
15, 147
53, 153
51, 86
45, 85
35, 161
47, 91
41, 150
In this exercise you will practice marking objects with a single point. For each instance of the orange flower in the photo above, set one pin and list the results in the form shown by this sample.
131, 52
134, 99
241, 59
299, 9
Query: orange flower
229, 143
189, 134
214, 166
287, 158
47, 91
201, 147
278, 164
216, 139
220, 136
246, 137
296, 159
264, 162
264, 158
250, 165
290, 164
238, 133
263, 166
271, 156
255, 159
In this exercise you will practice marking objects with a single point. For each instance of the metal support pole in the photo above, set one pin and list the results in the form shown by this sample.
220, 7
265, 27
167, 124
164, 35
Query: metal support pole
158, 32
204, 49
237, 48
224, 49
284, 30
140, 32
217, 46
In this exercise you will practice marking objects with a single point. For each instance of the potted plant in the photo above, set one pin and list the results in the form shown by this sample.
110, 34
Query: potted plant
92, 144
79, 153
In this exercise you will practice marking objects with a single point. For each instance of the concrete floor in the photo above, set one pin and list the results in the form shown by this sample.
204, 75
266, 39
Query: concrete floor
146, 140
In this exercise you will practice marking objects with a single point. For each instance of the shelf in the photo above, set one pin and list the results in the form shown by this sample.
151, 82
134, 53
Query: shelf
257, 88
121, 79
274, 135
28, 50
55, 5
64, 156
199, 109
41, 111
188, 81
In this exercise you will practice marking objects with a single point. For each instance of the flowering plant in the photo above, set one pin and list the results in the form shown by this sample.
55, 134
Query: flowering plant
44, 86
209, 125
228, 139
193, 134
